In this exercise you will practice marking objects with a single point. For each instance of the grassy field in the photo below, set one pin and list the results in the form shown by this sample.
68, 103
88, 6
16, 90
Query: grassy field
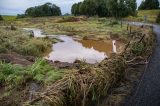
74, 26
151, 16
9, 18
59, 87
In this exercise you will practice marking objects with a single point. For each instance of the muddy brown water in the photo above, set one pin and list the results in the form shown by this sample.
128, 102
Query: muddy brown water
90, 51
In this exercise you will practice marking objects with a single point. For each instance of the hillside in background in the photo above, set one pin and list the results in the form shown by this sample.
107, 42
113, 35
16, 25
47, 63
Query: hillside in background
150, 14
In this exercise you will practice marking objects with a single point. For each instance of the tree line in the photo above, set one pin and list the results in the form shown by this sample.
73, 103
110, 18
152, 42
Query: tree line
149, 5
103, 8
47, 9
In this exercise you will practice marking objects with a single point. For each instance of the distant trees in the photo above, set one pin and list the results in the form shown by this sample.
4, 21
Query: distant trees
48, 9
21, 16
76, 8
122, 8
102, 8
1, 18
149, 4
90, 8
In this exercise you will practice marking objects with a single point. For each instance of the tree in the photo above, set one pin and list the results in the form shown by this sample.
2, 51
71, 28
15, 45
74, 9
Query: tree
102, 9
20, 16
90, 8
47, 9
149, 5
132, 6
142, 6
1, 18
113, 7
122, 8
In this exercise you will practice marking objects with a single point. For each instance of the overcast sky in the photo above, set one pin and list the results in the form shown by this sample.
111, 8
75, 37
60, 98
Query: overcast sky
14, 7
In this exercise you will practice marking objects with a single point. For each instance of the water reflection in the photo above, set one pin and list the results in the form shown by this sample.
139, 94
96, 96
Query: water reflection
69, 50
89, 50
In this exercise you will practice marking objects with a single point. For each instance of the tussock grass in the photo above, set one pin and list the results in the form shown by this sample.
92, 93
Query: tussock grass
20, 42
14, 76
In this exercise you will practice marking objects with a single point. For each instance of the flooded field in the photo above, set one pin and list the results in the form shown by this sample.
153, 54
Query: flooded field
69, 50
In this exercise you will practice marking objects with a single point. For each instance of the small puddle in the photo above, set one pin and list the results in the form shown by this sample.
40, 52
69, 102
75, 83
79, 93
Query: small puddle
69, 50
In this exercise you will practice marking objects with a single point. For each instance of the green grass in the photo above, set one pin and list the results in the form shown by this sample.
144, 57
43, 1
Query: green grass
80, 26
151, 14
13, 76
9, 18
76, 26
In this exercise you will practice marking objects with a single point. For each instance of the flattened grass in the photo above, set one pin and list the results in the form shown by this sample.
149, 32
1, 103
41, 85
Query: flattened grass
20, 42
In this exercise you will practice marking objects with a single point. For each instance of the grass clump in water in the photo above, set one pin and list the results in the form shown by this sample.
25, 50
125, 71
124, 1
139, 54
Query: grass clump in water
35, 47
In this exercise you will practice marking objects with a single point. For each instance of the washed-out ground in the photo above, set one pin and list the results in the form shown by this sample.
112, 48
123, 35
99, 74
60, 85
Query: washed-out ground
35, 70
